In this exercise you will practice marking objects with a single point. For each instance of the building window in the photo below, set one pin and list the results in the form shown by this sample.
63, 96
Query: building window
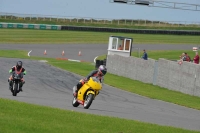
127, 45
114, 43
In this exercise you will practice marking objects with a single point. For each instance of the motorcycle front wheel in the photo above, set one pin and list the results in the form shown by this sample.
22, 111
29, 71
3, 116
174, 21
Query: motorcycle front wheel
15, 89
88, 101
74, 102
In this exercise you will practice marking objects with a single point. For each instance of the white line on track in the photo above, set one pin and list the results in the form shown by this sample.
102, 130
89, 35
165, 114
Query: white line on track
29, 53
74, 60
95, 59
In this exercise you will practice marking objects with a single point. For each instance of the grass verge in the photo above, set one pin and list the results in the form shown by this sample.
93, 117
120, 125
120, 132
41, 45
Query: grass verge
19, 117
27, 36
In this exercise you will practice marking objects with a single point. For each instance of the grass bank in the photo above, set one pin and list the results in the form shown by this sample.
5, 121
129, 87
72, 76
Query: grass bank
27, 36
19, 117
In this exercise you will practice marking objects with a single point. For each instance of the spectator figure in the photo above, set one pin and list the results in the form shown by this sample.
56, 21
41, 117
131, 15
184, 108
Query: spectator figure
182, 56
188, 59
120, 47
145, 56
185, 57
196, 58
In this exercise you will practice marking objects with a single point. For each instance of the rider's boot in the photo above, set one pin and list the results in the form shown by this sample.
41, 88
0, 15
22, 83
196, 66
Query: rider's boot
21, 85
10, 84
78, 86
75, 93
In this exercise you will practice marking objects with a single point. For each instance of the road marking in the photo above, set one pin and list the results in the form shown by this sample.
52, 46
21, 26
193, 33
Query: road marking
43, 61
29, 53
95, 59
74, 60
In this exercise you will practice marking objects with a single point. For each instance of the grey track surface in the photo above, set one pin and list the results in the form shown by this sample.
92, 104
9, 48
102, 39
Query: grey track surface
88, 51
50, 86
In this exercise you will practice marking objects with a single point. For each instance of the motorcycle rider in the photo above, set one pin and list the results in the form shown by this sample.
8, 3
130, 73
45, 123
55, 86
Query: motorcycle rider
100, 73
19, 69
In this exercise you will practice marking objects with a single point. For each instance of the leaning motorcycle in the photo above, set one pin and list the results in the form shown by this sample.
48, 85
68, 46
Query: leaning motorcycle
87, 93
16, 82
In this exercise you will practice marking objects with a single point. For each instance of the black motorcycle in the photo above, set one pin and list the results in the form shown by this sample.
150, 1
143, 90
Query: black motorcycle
16, 82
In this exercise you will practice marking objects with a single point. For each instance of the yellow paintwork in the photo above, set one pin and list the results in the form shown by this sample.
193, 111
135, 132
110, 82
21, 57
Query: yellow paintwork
92, 85
90, 92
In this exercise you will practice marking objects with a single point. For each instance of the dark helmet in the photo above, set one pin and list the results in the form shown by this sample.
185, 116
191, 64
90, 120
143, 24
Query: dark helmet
102, 69
19, 65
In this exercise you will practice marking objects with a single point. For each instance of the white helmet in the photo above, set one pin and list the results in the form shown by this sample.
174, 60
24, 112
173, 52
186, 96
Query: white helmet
102, 69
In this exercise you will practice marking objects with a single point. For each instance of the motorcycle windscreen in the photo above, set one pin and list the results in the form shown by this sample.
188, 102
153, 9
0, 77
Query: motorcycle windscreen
94, 83
17, 75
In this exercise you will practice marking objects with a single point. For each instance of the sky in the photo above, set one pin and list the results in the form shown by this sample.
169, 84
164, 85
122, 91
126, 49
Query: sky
100, 9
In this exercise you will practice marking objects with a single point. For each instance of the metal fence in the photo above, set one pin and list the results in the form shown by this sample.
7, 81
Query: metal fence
110, 21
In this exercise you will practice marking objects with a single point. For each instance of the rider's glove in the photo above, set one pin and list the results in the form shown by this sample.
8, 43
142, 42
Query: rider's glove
10, 71
24, 72
85, 80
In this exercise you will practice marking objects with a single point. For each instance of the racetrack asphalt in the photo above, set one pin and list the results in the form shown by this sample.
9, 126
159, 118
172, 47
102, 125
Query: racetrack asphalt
50, 86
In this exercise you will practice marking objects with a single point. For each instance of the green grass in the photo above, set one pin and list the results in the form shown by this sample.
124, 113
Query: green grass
13, 53
134, 86
113, 25
19, 117
101, 57
26, 36
156, 54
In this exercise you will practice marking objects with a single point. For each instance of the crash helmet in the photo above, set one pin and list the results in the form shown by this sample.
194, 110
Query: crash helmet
19, 65
102, 69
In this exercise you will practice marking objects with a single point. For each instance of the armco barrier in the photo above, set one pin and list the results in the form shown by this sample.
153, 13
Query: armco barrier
184, 78
30, 26
123, 30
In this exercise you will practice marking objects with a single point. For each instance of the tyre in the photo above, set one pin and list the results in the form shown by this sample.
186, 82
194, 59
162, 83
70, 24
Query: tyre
88, 101
75, 103
15, 89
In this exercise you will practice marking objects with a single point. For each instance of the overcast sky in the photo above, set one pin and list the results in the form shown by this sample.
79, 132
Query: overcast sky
99, 9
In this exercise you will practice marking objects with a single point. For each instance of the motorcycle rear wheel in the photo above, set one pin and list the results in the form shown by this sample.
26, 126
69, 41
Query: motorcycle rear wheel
74, 102
88, 101
15, 89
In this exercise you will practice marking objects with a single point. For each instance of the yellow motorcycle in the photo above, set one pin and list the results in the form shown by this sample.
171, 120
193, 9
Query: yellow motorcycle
87, 93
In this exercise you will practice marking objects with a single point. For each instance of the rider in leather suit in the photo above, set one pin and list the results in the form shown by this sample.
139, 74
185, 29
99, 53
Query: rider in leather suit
100, 73
18, 68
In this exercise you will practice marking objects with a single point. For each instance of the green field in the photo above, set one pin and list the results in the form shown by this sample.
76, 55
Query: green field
20, 117
25, 36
